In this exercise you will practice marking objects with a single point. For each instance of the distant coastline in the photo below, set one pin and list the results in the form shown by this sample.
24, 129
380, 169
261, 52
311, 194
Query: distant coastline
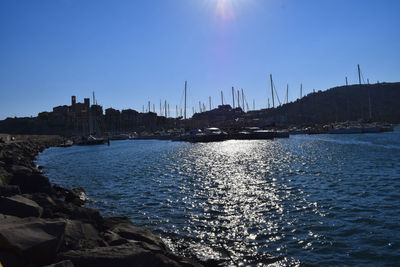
358, 103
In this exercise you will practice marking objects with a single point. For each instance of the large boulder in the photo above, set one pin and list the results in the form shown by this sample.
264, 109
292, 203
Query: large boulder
32, 183
46, 202
35, 240
5, 176
73, 212
9, 190
76, 196
10, 259
20, 170
20, 206
79, 235
114, 239
126, 255
124, 228
18, 154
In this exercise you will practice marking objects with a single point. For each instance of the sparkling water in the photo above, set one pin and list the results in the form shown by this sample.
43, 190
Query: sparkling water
307, 200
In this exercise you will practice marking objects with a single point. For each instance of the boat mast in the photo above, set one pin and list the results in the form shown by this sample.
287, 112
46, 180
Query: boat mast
272, 92
209, 98
359, 73
301, 90
222, 97
347, 83
242, 99
287, 93
233, 97
238, 98
185, 100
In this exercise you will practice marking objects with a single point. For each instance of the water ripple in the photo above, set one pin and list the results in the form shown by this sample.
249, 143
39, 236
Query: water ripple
307, 200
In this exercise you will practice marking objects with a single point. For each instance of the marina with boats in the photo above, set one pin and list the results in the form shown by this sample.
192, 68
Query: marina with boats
214, 134
350, 109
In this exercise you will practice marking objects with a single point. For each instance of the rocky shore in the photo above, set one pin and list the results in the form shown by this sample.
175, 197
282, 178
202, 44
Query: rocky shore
47, 225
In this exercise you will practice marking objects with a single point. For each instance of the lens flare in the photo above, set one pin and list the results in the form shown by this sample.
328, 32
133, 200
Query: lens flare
224, 9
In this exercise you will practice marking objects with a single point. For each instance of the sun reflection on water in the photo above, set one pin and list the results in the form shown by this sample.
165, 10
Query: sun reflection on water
235, 197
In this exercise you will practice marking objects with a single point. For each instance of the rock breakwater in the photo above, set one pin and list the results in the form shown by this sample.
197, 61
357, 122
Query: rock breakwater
43, 224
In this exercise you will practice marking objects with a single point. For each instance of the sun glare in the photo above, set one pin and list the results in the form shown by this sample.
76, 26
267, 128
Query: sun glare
226, 9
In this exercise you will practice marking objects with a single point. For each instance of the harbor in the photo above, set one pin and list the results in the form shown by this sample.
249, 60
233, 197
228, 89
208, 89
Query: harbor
214, 134
319, 112
208, 133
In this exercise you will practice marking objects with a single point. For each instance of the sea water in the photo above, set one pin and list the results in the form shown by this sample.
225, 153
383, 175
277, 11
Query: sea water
306, 200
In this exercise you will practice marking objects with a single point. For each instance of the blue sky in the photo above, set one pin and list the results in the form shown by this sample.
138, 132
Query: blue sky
132, 52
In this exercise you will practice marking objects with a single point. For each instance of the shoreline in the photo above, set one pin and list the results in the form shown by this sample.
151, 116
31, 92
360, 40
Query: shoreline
43, 224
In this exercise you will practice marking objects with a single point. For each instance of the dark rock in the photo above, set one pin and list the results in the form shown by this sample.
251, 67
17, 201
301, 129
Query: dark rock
32, 183
66, 263
9, 190
127, 230
20, 206
34, 239
46, 202
10, 259
60, 192
114, 239
5, 176
73, 212
131, 254
76, 196
20, 170
8, 218
80, 235
110, 222
42, 199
